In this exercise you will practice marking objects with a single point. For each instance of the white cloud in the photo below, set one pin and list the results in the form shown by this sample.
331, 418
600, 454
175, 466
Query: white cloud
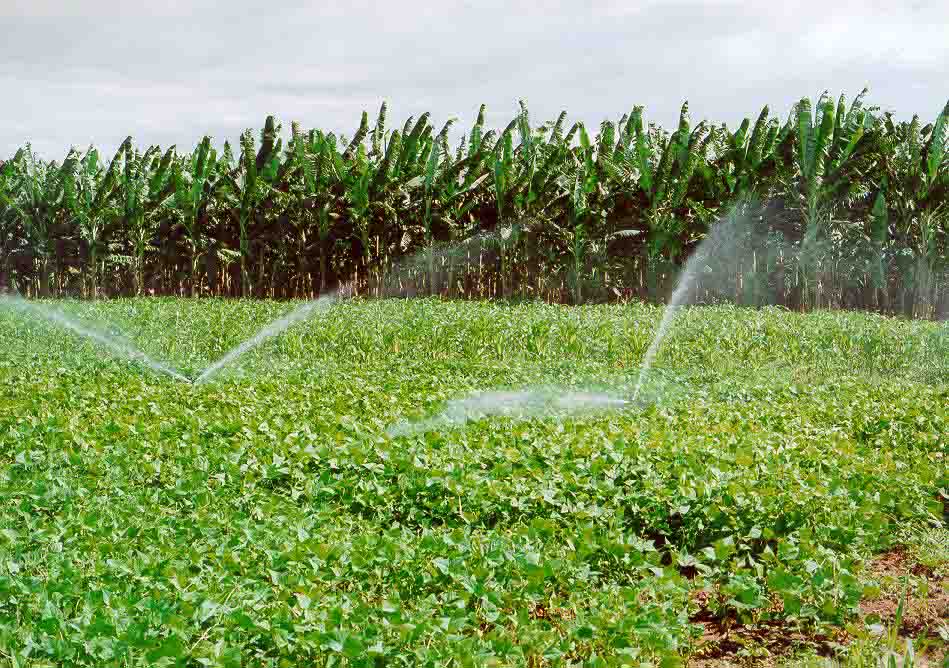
170, 72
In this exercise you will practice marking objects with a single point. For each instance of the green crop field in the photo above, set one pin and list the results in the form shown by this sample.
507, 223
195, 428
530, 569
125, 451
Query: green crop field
273, 517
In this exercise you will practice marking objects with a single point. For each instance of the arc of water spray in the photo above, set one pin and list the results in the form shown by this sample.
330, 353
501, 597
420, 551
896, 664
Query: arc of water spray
272, 329
675, 303
390, 285
117, 346
723, 235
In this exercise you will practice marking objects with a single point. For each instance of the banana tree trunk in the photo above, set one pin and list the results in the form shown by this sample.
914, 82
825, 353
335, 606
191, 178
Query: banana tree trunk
431, 269
139, 272
260, 279
922, 301
93, 270
577, 252
193, 281
246, 285
366, 256
941, 310
322, 267
652, 279
44, 277
299, 281
577, 284
504, 280
452, 287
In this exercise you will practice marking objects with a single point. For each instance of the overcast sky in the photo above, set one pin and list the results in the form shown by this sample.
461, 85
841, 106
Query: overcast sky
168, 71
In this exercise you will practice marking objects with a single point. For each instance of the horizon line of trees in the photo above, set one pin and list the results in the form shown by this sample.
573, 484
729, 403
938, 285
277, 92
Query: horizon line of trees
857, 211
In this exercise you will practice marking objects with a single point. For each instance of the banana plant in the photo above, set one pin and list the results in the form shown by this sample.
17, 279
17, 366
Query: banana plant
379, 133
145, 189
325, 191
539, 162
458, 197
192, 179
514, 170
251, 194
358, 138
747, 161
657, 170
411, 161
372, 184
879, 238
428, 196
830, 143
247, 187
582, 191
294, 198
362, 202
9, 228
508, 229
661, 167
441, 198
575, 231
89, 190
37, 200
916, 167
357, 178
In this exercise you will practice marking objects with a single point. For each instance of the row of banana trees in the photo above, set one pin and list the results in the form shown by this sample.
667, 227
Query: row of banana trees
853, 210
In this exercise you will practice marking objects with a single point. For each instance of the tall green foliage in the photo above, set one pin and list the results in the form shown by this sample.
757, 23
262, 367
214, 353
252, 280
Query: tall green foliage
860, 203
89, 192
915, 165
192, 182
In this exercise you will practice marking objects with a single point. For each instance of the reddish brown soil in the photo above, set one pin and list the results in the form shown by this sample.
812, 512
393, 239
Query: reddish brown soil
728, 643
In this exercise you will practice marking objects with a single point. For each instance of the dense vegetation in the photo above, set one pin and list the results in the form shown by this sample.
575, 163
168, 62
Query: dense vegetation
270, 520
857, 210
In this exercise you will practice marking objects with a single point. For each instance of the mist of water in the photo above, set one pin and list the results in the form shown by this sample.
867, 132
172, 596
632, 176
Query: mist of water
113, 344
515, 404
433, 268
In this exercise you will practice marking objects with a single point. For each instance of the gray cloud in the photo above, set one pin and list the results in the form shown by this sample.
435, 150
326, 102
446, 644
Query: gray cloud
76, 73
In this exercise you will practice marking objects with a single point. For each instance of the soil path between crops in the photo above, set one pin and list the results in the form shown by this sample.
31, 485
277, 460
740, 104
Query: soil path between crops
773, 643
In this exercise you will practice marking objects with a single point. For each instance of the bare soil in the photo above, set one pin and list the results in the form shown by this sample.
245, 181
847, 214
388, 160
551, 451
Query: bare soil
774, 642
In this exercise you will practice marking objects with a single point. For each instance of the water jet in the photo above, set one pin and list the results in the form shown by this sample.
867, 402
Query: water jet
115, 345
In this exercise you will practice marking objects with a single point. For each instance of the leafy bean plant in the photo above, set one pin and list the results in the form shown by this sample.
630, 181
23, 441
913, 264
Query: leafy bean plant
269, 518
